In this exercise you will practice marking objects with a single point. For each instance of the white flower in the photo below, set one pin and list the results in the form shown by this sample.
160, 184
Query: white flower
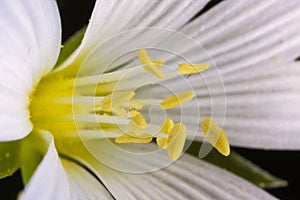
254, 44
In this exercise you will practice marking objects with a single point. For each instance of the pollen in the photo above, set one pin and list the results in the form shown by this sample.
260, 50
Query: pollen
150, 66
192, 68
177, 99
216, 136
131, 139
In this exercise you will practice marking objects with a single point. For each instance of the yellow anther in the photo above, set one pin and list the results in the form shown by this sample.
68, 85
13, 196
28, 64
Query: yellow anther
176, 99
159, 63
135, 105
192, 68
114, 100
130, 139
138, 119
62, 46
133, 113
137, 124
216, 136
165, 128
176, 141
149, 65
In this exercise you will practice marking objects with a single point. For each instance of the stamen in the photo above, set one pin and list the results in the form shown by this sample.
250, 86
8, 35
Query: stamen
149, 65
116, 99
113, 111
192, 68
107, 77
176, 99
176, 141
216, 136
95, 118
130, 139
165, 128
103, 134
135, 105
78, 100
159, 63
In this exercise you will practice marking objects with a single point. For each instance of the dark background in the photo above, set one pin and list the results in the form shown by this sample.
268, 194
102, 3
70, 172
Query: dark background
283, 164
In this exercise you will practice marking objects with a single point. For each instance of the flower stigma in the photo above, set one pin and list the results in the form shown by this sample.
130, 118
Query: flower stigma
57, 108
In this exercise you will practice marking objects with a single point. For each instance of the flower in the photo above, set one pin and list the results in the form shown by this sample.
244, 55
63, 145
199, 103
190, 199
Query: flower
36, 98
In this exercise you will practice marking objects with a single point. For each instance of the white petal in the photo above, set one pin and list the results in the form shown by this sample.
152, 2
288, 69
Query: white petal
133, 158
112, 17
240, 34
188, 178
30, 43
49, 181
82, 184
263, 107
254, 54
134, 14
261, 82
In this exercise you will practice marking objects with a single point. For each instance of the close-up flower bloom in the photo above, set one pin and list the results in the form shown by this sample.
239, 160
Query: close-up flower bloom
112, 117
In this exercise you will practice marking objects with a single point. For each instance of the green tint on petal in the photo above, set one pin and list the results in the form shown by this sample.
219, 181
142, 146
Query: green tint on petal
34, 147
9, 158
240, 166
70, 45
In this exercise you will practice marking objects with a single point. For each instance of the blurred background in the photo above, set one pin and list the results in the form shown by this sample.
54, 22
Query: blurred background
283, 164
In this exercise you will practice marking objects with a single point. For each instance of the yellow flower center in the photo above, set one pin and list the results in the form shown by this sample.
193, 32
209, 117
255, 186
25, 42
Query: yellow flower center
67, 112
